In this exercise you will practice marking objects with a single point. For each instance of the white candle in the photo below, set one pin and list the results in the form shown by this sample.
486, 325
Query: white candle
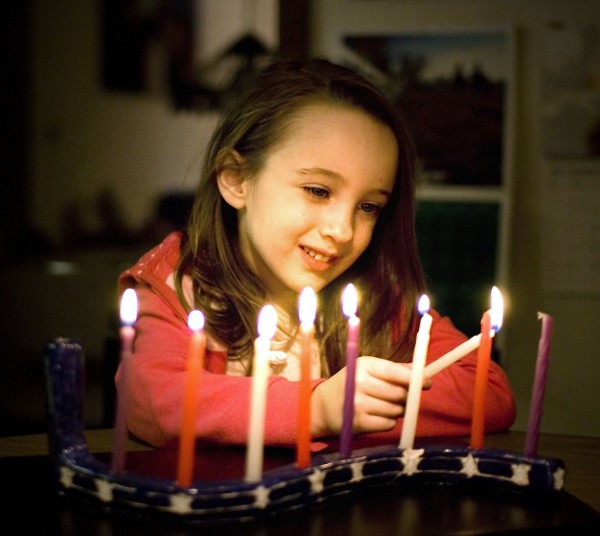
415, 386
129, 309
267, 324
349, 306
472, 344
452, 356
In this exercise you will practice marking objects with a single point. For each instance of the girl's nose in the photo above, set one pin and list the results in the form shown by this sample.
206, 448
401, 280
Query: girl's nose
339, 226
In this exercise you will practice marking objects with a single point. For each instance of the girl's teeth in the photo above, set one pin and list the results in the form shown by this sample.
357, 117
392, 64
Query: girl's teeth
318, 256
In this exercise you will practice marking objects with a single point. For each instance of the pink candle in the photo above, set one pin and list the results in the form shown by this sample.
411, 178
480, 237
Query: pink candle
308, 309
490, 323
349, 305
127, 333
539, 386
267, 324
413, 399
194, 365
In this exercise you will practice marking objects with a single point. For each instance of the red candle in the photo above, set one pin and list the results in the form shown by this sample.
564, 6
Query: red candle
308, 309
128, 314
349, 305
539, 386
194, 365
490, 323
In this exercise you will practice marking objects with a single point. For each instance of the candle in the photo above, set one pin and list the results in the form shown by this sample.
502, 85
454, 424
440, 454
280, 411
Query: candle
267, 324
128, 314
413, 399
452, 356
194, 365
539, 386
349, 306
490, 324
308, 309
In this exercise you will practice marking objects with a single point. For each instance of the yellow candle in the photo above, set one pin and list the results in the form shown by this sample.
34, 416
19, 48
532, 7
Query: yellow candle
195, 363
267, 324
308, 309
413, 399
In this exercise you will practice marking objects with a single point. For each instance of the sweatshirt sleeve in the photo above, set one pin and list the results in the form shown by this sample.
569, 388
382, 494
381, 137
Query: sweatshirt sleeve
157, 380
446, 408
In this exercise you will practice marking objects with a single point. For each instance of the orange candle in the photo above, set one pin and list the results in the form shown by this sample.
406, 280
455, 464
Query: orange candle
308, 309
490, 323
195, 363
128, 314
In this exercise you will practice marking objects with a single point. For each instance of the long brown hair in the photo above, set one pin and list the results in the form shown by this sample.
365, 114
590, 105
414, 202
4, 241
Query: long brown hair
388, 274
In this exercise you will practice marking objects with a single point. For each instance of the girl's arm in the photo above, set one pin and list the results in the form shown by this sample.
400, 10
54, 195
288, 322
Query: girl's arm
157, 380
446, 402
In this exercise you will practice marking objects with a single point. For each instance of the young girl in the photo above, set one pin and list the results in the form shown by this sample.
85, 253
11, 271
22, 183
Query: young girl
308, 181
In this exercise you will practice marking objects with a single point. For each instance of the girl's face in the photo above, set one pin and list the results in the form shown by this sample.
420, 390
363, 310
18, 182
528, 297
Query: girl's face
310, 212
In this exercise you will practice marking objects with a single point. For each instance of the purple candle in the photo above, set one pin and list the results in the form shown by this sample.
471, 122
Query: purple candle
539, 386
349, 305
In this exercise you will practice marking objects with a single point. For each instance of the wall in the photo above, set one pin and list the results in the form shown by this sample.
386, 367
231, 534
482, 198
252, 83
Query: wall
85, 140
572, 397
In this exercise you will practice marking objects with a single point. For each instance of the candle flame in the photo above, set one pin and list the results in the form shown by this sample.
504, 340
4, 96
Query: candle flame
350, 300
497, 310
196, 320
423, 305
267, 321
308, 306
129, 306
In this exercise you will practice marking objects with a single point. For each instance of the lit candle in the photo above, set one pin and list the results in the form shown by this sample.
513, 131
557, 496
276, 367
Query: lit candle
349, 306
452, 356
413, 399
539, 386
490, 324
195, 362
128, 313
267, 324
308, 310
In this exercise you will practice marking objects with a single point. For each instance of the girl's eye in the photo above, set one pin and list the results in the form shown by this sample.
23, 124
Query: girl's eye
317, 191
370, 208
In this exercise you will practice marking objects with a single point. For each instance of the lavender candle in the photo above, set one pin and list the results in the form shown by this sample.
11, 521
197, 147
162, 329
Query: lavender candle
539, 386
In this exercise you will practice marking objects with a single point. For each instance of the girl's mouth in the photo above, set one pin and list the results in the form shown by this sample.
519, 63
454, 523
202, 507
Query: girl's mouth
316, 255
317, 261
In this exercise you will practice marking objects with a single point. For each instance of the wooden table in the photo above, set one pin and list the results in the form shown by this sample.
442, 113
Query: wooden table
25, 466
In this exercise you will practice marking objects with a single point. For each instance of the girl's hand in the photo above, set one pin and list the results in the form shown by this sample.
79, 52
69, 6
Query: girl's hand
379, 397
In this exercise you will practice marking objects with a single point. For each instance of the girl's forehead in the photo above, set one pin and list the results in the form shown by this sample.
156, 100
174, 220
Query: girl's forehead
339, 141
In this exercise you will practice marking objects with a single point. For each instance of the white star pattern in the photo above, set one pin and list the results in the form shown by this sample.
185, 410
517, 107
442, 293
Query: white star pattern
411, 459
66, 477
357, 471
559, 479
520, 474
316, 481
181, 503
104, 490
261, 495
469, 465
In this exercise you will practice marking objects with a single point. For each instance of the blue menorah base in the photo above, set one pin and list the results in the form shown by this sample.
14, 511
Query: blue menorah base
82, 475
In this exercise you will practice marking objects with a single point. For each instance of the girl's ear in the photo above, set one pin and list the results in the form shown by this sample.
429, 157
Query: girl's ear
230, 179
